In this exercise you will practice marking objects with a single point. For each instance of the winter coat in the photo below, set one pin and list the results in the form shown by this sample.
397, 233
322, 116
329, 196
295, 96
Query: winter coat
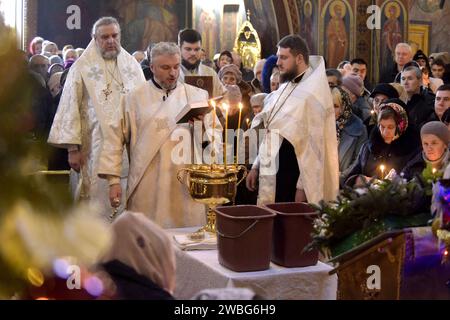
353, 136
376, 152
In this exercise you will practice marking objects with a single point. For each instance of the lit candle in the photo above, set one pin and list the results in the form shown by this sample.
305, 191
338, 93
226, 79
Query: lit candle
213, 132
434, 173
225, 106
382, 171
239, 129
248, 122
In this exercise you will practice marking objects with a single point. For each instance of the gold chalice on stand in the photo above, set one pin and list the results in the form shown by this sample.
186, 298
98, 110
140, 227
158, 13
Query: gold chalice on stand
212, 185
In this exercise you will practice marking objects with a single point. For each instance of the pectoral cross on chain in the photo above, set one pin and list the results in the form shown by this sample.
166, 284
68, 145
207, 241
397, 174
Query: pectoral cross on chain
107, 92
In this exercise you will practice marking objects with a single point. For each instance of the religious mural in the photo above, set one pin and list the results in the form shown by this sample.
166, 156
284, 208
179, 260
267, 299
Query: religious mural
207, 22
307, 11
393, 28
337, 23
148, 21
142, 21
428, 12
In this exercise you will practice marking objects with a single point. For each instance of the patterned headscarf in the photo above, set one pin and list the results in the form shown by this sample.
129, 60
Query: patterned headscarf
401, 116
346, 107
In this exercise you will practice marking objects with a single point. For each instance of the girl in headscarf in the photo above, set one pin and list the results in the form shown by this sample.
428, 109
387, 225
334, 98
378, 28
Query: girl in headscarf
141, 259
390, 146
351, 132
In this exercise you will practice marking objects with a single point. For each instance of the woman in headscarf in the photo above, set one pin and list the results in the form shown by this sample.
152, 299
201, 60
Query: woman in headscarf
141, 259
391, 146
230, 75
435, 138
351, 132
225, 58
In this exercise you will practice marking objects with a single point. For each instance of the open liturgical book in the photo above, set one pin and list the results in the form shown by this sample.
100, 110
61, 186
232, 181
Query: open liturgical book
193, 110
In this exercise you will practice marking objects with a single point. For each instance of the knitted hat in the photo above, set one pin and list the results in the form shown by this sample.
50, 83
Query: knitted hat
438, 129
386, 89
56, 59
230, 68
354, 84
258, 99
233, 94
271, 63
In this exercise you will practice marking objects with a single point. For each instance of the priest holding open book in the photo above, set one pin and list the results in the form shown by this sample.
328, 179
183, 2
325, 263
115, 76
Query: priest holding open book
157, 143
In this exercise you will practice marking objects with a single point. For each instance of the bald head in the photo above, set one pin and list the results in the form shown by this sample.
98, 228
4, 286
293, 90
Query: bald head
39, 64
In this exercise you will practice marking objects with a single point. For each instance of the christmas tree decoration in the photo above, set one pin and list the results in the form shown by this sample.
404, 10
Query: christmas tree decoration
39, 222
360, 214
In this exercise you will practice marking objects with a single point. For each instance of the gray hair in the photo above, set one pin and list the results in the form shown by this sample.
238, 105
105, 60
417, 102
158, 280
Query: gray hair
164, 48
104, 21
404, 45
416, 70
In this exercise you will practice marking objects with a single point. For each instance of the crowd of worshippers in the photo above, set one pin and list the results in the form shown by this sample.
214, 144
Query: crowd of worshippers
401, 122
368, 116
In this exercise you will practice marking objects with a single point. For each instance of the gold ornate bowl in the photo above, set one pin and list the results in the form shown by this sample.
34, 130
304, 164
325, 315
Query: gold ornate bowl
212, 185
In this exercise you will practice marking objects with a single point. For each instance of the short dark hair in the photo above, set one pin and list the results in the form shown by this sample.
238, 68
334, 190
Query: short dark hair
359, 61
438, 62
297, 45
335, 73
189, 36
444, 87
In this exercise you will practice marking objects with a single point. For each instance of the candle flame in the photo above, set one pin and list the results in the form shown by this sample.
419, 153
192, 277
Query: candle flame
240, 106
434, 170
213, 104
382, 167
225, 107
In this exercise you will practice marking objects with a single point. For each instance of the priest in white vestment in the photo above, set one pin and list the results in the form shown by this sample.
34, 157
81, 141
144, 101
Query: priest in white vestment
190, 42
148, 128
89, 102
298, 157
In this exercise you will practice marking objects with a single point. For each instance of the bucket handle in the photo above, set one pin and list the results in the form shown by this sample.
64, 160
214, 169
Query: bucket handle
239, 235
